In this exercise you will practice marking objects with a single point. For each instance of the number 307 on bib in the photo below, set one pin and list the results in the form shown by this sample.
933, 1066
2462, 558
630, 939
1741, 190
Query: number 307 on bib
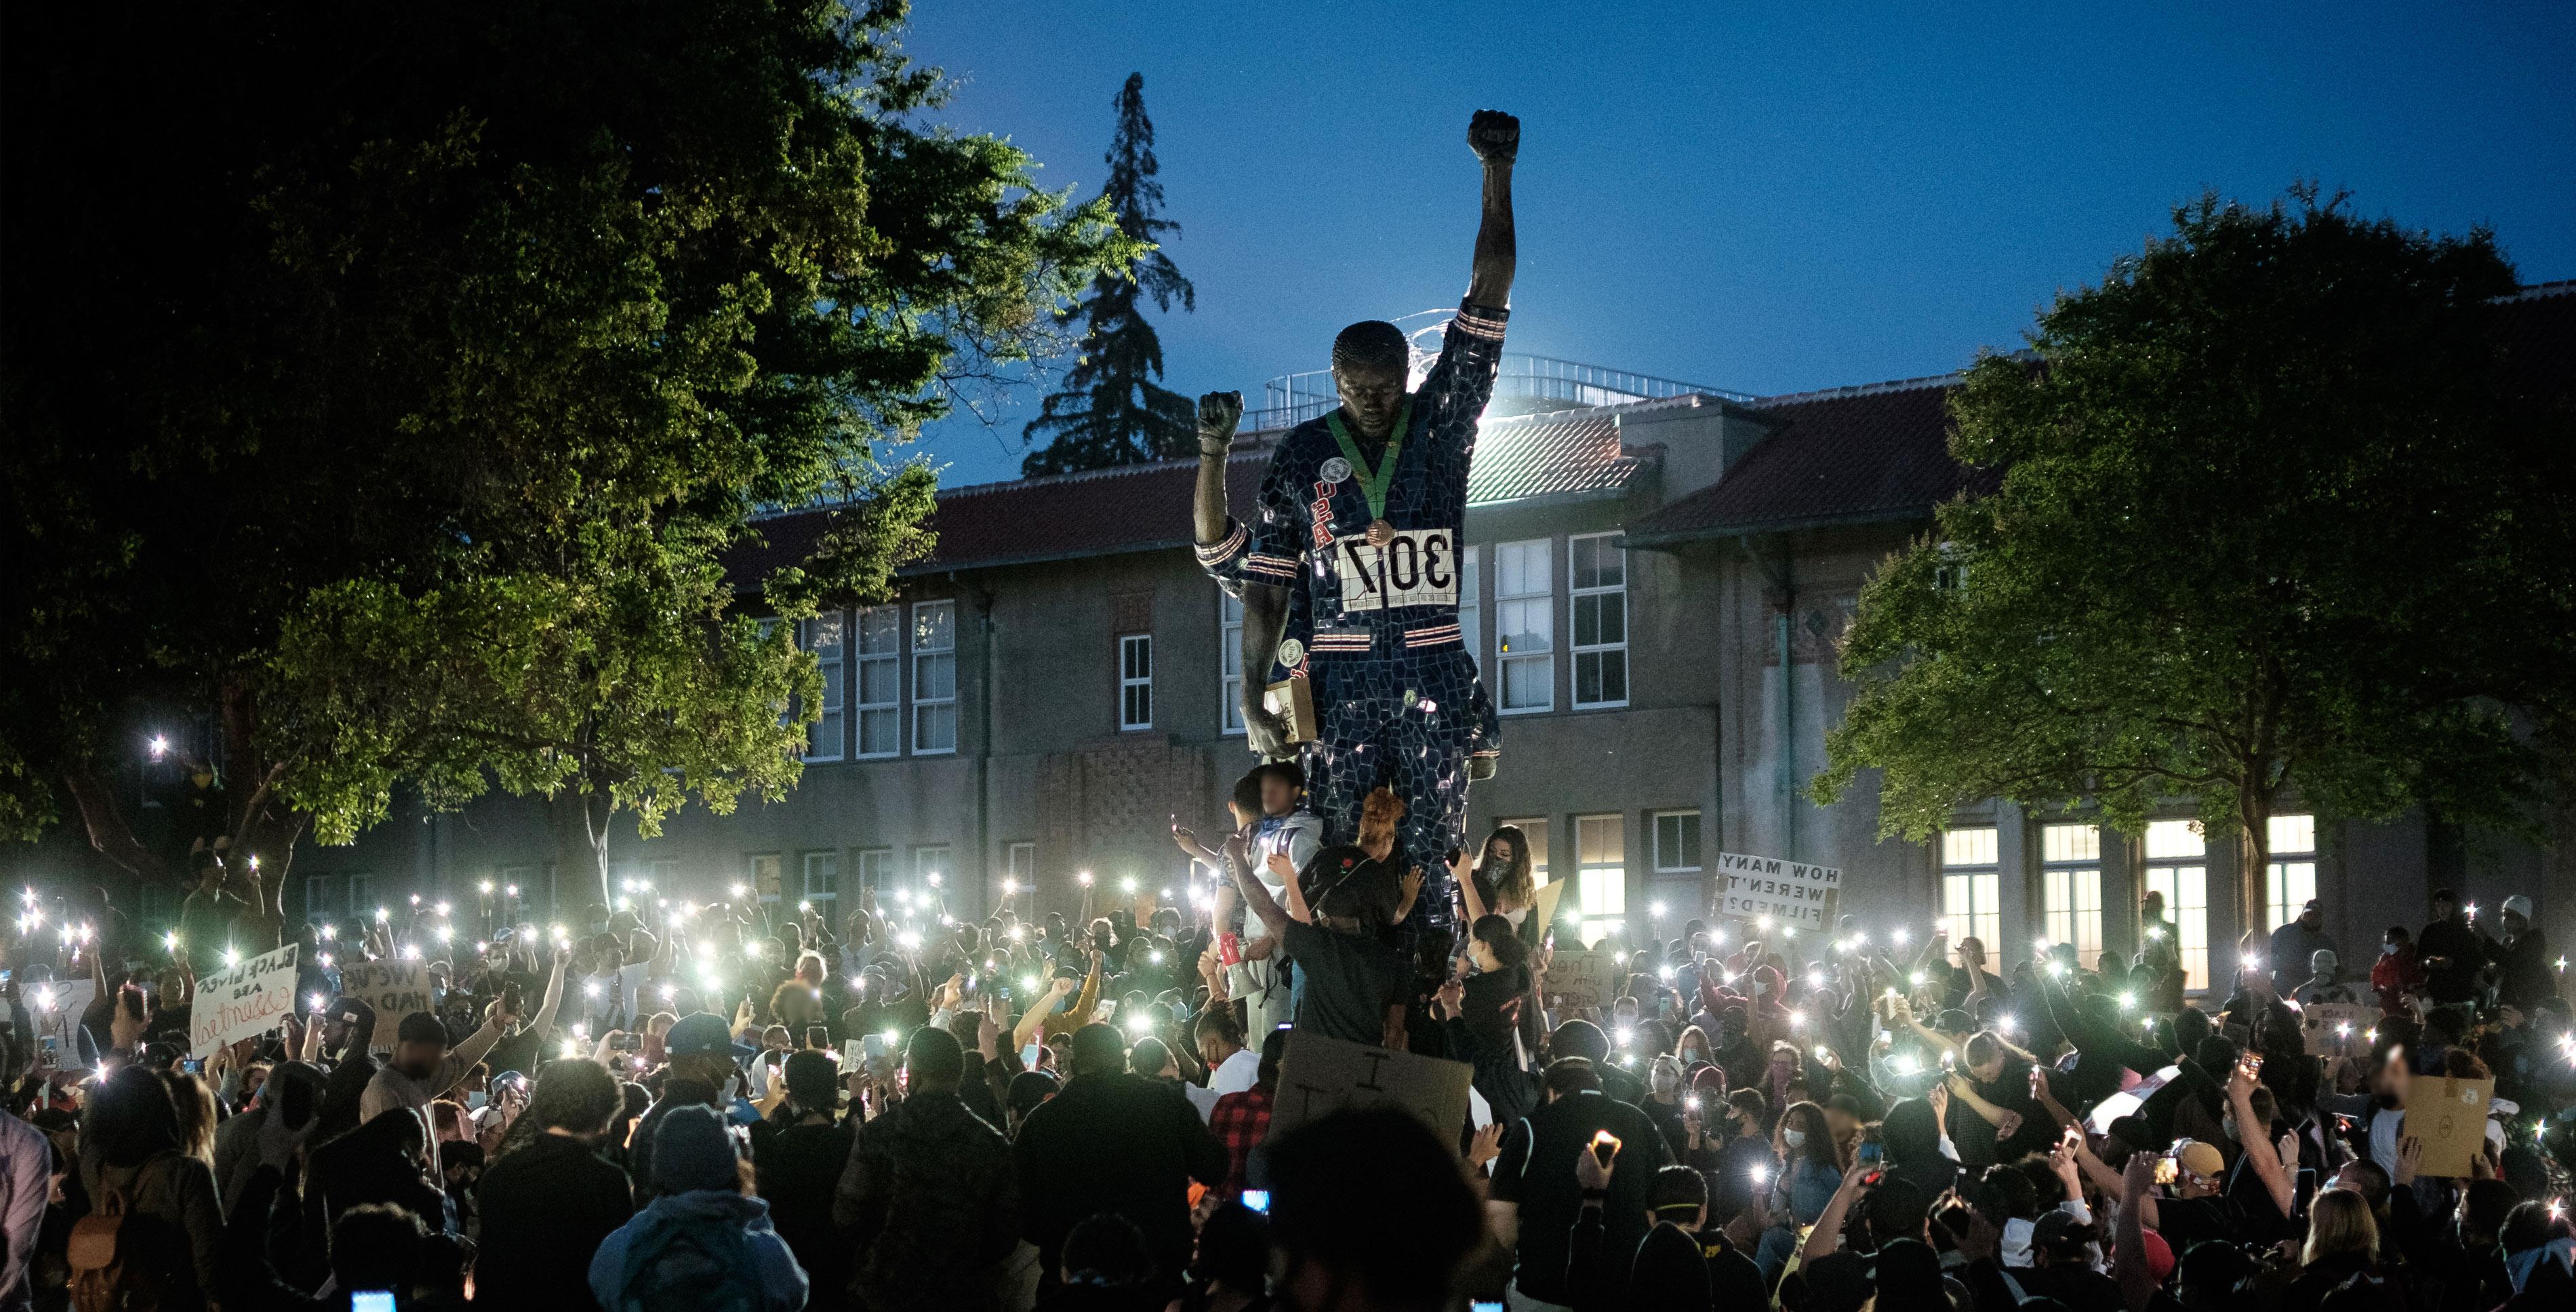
1418, 568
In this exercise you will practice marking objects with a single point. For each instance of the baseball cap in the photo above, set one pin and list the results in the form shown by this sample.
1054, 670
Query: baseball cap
2060, 1228
697, 1034
421, 1027
2200, 1159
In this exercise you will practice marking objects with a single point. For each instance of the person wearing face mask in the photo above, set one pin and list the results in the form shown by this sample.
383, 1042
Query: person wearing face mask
1810, 1171
1694, 1050
2527, 973
1736, 1153
1480, 1017
1663, 1104
2325, 983
2396, 970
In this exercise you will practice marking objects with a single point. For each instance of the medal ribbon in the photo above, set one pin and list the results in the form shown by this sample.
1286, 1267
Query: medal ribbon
1373, 482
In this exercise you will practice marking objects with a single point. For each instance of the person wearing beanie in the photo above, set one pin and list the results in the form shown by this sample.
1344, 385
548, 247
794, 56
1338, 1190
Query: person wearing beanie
424, 1066
703, 1239
2325, 982
548, 1203
928, 1206
797, 1156
2526, 971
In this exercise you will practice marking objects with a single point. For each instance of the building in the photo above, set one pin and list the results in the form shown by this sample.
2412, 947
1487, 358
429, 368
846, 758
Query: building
1656, 574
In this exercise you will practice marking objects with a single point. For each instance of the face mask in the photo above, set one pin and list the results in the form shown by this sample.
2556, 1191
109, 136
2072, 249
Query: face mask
2227, 1126
1693, 1055
1666, 1081
1795, 1138
2388, 949
1761, 988
474, 1100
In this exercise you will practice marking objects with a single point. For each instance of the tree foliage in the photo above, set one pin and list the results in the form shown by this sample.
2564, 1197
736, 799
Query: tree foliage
1110, 411
396, 383
2275, 522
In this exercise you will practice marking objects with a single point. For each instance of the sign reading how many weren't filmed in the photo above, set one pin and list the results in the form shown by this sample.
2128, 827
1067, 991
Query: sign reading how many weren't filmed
1793, 893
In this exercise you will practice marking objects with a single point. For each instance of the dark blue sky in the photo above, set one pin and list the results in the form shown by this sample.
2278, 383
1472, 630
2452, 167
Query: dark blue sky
1727, 195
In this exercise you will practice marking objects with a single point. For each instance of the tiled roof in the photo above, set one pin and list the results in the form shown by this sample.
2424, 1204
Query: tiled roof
1851, 455
1147, 507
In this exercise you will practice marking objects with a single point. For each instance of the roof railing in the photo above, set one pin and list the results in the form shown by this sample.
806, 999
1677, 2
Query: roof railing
1292, 399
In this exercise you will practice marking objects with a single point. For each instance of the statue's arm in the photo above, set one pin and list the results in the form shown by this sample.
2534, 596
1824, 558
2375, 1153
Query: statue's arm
1265, 621
1496, 138
1219, 412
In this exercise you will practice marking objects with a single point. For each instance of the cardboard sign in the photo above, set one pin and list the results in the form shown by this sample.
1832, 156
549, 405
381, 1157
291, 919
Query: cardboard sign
1793, 893
1324, 1075
1589, 978
1293, 700
2450, 1116
1549, 894
58, 1007
244, 1001
395, 988
2337, 1029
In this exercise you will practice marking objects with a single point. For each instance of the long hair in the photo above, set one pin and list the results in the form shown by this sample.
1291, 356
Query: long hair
1819, 1145
1514, 886
2338, 1222
193, 1104
129, 1118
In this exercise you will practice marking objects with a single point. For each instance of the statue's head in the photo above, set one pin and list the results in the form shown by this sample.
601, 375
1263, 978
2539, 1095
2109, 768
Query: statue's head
1369, 363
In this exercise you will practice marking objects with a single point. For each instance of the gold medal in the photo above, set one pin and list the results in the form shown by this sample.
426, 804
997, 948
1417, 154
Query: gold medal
1380, 533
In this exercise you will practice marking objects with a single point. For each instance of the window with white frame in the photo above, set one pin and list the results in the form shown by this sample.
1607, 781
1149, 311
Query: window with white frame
1136, 681
1524, 626
876, 868
880, 661
1471, 605
1229, 663
930, 862
2070, 874
1972, 889
1676, 841
821, 636
1598, 573
764, 875
1601, 874
2290, 874
822, 879
2177, 867
934, 678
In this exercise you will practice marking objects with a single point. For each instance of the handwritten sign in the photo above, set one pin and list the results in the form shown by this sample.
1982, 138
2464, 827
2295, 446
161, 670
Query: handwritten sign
1586, 979
394, 988
1324, 1075
1794, 893
2450, 1117
240, 1002
2336, 1029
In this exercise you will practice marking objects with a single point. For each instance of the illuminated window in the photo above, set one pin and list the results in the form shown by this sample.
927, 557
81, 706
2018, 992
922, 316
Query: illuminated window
928, 861
821, 636
822, 879
2290, 877
1971, 890
1601, 872
1598, 572
1470, 604
2177, 867
876, 865
934, 678
1525, 625
1676, 841
1229, 663
1136, 681
2071, 888
880, 662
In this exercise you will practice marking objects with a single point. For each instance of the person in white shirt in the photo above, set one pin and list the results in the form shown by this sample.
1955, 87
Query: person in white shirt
1232, 1067
1270, 822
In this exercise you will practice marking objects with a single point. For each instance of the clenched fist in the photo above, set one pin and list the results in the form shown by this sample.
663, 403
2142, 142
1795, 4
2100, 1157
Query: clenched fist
1495, 136
1219, 412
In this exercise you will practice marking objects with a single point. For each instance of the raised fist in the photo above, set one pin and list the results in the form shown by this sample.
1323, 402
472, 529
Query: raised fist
1265, 731
1219, 412
1495, 136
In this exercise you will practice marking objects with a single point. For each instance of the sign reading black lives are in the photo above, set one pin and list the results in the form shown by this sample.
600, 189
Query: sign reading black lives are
1793, 893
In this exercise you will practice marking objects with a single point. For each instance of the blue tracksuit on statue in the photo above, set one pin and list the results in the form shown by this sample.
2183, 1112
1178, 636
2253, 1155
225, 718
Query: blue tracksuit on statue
1395, 688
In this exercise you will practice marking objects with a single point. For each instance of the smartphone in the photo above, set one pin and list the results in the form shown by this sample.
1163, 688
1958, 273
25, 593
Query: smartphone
2165, 1170
297, 1106
1031, 1055
1605, 1146
1871, 1153
1229, 948
1258, 1200
1105, 1012
371, 1300
873, 1046
193, 1065
818, 1037
52, 1057
1481, 1305
626, 1042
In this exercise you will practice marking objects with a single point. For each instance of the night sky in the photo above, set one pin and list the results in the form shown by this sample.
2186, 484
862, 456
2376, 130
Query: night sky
1740, 198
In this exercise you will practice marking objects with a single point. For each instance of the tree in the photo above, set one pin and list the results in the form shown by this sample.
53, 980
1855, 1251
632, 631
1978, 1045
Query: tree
398, 388
2273, 524
1110, 410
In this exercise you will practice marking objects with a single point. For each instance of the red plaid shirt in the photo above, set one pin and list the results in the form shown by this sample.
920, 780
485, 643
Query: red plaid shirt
1239, 1120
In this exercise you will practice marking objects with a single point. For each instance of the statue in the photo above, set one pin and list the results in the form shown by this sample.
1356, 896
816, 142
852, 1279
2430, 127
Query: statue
1349, 574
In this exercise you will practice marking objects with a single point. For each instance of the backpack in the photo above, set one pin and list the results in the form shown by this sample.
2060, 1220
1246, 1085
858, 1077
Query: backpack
694, 1264
110, 1271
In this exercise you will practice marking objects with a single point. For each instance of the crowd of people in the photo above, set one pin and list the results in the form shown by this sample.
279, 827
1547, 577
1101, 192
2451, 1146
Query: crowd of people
667, 1104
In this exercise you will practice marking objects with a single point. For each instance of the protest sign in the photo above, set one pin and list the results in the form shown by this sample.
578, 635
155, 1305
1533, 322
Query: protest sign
58, 1015
2337, 1029
1585, 979
1793, 893
2450, 1117
394, 988
1549, 894
1324, 1075
240, 1002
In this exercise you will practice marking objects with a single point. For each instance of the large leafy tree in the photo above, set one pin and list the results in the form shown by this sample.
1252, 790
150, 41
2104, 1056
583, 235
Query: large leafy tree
1110, 410
2280, 518
391, 386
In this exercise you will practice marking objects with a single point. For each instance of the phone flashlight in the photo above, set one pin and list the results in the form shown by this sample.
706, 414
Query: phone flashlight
1258, 1200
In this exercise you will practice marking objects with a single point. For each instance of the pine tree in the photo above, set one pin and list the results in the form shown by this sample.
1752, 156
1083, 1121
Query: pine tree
1110, 411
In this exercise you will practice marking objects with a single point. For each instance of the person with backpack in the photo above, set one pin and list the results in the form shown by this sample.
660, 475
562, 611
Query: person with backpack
154, 1236
704, 1245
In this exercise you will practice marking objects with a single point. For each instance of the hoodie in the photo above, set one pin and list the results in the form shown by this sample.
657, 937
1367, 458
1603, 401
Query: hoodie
782, 1283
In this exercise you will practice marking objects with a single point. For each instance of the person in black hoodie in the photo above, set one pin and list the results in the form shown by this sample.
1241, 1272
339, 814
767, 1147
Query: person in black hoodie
797, 1156
550, 1200
379, 1162
1482, 1018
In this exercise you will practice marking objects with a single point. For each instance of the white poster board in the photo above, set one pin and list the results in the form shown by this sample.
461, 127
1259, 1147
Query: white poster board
1324, 1075
240, 1002
1792, 893
395, 988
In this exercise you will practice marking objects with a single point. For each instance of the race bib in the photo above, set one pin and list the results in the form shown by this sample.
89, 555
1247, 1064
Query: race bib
1418, 568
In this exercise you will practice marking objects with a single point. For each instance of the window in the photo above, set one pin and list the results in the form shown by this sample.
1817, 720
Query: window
1525, 625
880, 660
821, 636
2290, 876
1136, 681
2177, 868
1229, 663
934, 678
2071, 888
1535, 829
1021, 861
1599, 574
822, 879
764, 875
1601, 863
1676, 841
1470, 605
1971, 889
930, 861
876, 865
